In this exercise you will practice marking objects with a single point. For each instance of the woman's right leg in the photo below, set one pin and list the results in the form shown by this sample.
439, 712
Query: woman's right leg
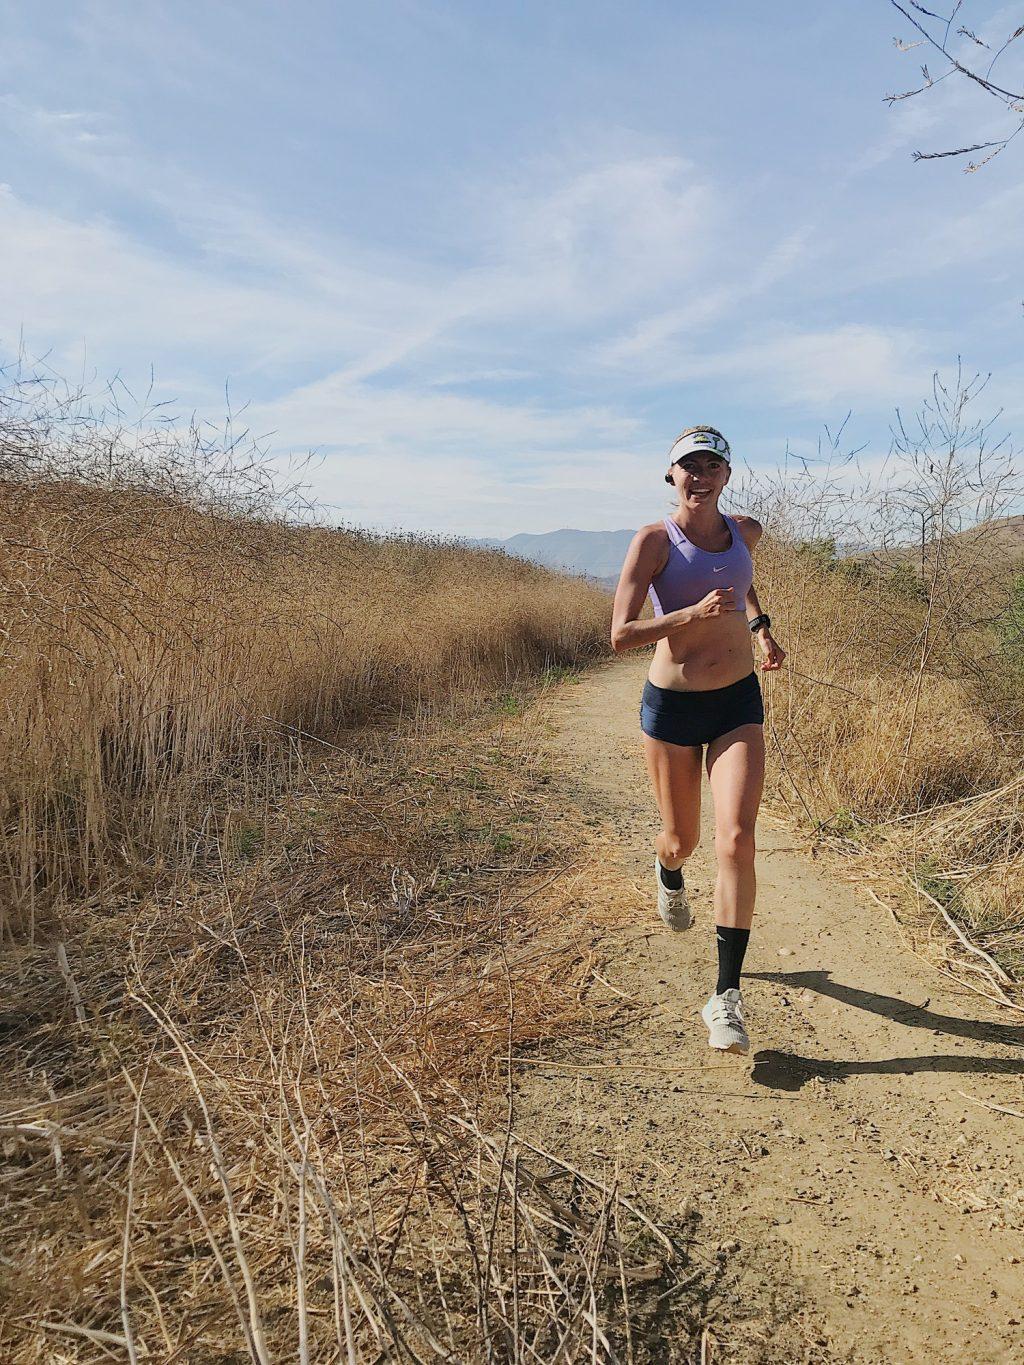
675, 771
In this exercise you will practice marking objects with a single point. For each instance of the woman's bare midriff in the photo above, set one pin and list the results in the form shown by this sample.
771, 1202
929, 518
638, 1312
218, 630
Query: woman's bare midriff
704, 654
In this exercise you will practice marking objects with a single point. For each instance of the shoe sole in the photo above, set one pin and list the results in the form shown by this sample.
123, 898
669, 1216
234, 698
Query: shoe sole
676, 928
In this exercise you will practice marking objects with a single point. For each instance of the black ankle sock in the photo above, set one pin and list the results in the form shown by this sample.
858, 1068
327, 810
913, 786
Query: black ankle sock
732, 944
671, 877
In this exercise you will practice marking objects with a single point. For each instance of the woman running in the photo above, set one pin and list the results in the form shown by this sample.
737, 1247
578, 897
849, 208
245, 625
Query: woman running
701, 690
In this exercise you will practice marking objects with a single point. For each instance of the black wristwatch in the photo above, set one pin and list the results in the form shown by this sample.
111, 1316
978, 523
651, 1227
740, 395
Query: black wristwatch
764, 620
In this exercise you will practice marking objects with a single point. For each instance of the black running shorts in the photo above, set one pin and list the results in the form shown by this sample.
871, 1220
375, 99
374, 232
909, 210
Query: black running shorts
695, 718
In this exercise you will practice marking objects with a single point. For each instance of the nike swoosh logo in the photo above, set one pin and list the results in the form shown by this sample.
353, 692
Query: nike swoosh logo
719, 568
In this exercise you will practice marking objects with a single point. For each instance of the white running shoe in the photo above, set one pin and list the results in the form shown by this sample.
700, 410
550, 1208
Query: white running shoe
723, 1015
673, 907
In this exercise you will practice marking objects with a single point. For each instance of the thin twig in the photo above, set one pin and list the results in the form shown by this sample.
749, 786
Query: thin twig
999, 1108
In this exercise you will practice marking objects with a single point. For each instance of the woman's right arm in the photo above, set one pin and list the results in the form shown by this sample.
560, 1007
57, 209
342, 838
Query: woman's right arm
644, 559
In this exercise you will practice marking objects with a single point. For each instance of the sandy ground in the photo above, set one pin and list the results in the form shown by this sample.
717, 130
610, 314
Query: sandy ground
862, 1207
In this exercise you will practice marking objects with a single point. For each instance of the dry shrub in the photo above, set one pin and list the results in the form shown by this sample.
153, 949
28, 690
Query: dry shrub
899, 709
967, 858
855, 725
167, 635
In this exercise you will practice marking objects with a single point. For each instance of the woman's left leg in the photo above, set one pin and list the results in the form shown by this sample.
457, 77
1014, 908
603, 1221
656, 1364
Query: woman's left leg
735, 764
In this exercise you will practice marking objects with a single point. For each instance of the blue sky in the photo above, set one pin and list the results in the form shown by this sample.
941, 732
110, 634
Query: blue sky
487, 260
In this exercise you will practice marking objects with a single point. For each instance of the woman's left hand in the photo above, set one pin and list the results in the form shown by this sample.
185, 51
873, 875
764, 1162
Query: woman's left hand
772, 652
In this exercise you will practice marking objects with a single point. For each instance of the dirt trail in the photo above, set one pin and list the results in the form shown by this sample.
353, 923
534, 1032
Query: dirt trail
846, 1177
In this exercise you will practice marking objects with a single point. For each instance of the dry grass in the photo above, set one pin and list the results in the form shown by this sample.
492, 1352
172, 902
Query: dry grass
859, 724
896, 730
158, 654
899, 739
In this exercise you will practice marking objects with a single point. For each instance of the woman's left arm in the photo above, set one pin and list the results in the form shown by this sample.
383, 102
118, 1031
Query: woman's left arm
772, 653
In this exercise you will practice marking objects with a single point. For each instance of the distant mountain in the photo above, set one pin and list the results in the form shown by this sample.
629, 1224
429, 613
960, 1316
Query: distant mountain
1003, 539
598, 555
593, 554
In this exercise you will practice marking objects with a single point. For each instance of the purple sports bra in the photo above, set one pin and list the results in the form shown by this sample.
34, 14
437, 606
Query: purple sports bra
691, 573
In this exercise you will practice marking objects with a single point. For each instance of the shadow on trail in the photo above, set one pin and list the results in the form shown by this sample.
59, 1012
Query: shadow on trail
900, 1011
790, 1071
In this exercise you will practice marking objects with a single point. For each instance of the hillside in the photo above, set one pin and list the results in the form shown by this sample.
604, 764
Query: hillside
592, 554
1000, 542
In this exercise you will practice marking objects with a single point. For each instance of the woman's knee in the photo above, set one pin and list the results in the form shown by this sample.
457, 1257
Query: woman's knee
678, 844
735, 844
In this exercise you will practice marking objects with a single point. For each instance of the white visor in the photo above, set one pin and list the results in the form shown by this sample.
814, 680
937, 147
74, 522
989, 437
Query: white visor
699, 443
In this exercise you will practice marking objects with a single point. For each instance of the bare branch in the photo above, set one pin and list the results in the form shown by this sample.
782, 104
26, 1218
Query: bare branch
940, 41
966, 33
960, 151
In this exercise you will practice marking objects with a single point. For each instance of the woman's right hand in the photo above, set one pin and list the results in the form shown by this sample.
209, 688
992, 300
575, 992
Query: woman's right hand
719, 602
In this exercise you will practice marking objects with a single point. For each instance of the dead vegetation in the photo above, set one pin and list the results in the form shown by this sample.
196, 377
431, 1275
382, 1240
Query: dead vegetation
896, 729
170, 637
265, 1115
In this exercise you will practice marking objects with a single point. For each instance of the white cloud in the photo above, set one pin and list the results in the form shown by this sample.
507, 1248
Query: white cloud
339, 412
571, 276
69, 281
600, 238
653, 344
602, 490
852, 363
558, 250
782, 365
461, 463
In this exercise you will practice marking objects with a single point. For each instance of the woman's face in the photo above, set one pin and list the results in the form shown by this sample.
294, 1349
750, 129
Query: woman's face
699, 478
